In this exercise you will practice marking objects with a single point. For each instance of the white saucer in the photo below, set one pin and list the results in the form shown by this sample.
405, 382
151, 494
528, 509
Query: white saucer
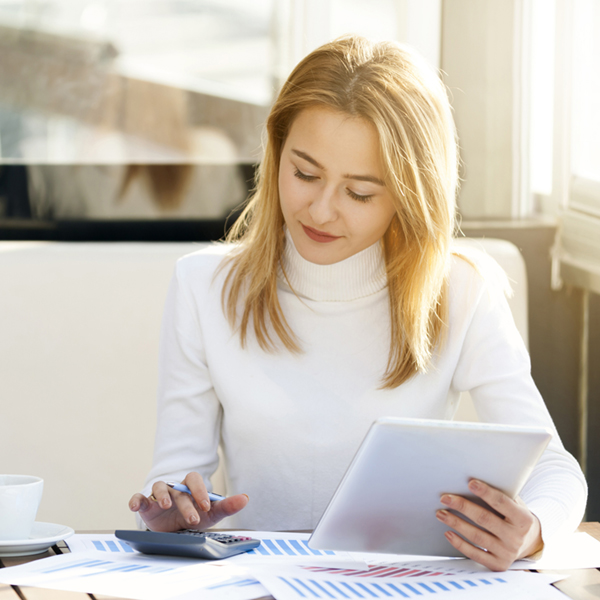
43, 535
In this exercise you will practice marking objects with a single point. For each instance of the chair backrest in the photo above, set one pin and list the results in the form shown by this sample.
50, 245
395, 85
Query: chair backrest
507, 255
79, 327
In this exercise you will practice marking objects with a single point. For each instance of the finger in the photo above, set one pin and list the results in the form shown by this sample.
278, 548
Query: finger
478, 514
196, 484
186, 507
498, 500
139, 502
474, 535
161, 495
487, 559
227, 507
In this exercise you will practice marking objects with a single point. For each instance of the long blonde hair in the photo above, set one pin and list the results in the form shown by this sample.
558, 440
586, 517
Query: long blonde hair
388, 86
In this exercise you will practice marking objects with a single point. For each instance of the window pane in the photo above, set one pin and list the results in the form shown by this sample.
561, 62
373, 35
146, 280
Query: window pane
132, 80
542, 95
586, 89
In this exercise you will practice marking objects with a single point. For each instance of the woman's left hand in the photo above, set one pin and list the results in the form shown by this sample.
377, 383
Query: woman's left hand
516, 536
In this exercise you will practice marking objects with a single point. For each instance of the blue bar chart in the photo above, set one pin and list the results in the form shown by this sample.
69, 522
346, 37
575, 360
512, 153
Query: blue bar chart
310, 583
100, 542
289, 547
339, 589
92, 568
136, 576
111, 546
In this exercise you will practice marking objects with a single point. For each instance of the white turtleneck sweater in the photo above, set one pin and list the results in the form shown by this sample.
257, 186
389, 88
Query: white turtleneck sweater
289, 424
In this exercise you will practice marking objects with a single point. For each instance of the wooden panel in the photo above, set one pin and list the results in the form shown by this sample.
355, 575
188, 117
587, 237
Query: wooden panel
35, 593
581, 584
7, 592
102, 597
592, 528
13, 561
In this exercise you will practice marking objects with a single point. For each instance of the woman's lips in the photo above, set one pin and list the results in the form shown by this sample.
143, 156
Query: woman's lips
319, 236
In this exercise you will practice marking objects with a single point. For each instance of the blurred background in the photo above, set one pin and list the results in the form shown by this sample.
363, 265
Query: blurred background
141, 120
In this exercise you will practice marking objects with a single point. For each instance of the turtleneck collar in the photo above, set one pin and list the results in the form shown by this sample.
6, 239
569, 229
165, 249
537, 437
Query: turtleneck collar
355, 277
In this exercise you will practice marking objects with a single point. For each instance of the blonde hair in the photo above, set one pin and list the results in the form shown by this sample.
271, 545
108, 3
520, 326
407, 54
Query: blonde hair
388, 86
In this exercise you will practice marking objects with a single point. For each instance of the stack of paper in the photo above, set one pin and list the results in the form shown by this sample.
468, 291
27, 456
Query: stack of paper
285, 567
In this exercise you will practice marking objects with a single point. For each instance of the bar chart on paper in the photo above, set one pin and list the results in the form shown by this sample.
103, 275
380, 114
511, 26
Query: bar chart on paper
491, 587
100, 542
95, 568
135, 576
275, 545
397, 570
289, 547
278, 547
301, 583
344, 589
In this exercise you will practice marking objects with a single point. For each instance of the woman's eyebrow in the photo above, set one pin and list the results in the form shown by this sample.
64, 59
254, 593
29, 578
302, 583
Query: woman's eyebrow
369, 178
317, 164
308, 158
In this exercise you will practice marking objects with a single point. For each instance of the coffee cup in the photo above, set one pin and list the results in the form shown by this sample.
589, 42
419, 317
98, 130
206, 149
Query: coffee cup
20, 497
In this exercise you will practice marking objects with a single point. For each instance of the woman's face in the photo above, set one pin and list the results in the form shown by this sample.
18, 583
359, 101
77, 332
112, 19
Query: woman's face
331, 188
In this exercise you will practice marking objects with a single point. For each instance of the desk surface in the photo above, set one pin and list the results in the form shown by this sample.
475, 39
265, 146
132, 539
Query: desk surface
583, 584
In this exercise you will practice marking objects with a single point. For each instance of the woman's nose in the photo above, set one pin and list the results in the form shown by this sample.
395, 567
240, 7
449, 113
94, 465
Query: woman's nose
323, 207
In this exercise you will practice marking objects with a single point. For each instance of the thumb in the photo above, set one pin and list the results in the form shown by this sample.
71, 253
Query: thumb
228, 506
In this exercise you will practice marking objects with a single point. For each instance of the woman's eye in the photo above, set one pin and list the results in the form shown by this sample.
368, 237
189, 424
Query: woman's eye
358, 197
300, 175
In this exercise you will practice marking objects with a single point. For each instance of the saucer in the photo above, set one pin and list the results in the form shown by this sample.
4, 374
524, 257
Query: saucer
43, 535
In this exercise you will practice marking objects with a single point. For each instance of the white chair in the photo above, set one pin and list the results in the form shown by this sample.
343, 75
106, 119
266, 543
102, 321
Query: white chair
507, 255
79, 327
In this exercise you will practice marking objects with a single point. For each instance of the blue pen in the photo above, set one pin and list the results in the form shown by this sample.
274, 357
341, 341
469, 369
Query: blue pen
184, 488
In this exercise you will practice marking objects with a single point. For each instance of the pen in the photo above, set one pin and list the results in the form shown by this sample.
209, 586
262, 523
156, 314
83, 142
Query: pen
184, 488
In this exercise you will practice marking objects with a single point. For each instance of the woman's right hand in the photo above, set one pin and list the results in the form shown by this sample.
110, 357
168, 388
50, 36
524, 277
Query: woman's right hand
169, 510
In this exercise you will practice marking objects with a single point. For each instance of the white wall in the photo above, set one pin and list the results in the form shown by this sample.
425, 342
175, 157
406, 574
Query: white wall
481, 62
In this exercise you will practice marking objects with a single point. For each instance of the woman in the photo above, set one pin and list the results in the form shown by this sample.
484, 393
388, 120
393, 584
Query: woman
338, 302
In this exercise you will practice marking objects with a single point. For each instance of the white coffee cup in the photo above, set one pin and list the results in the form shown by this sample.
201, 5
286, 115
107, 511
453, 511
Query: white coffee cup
20, 497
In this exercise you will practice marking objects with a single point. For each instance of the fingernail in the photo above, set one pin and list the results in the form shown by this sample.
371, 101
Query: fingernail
446, 499
474, 485
449, 535
247, 497
442, 514
205, 505
193, 520
165, 503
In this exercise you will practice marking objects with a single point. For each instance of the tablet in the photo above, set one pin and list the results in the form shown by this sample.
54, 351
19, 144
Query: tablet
387, 500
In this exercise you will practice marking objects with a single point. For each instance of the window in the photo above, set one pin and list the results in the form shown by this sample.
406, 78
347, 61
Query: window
129, 110
577, 250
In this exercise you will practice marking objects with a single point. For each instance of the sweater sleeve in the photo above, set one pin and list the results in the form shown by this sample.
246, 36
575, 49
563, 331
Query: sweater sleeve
494, 366
189, 412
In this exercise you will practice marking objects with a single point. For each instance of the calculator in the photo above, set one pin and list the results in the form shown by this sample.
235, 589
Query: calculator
188, 542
